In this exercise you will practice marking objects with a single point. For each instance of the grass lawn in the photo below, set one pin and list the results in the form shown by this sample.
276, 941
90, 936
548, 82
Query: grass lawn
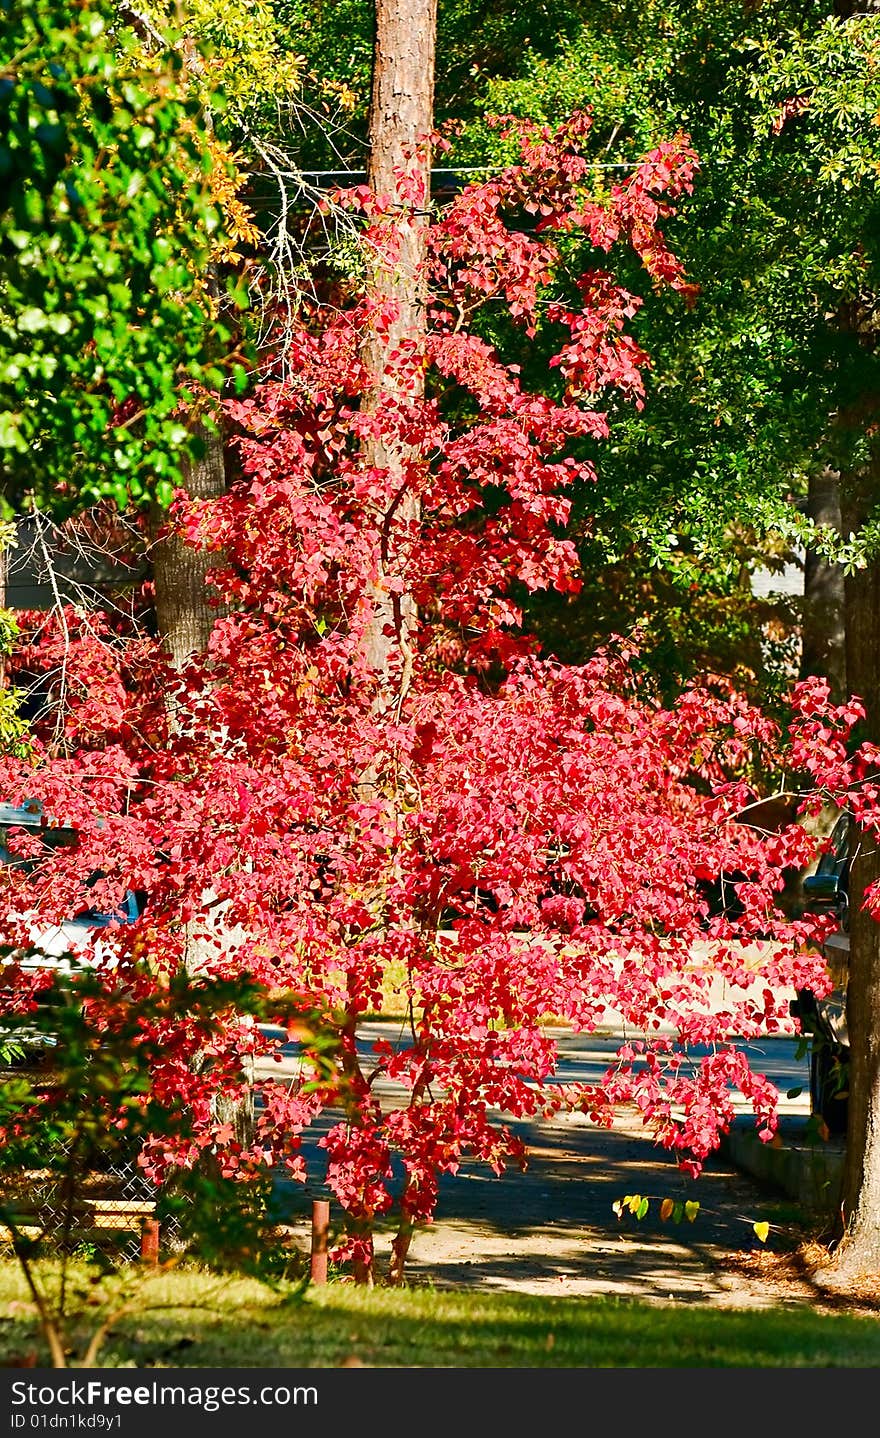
207, 1321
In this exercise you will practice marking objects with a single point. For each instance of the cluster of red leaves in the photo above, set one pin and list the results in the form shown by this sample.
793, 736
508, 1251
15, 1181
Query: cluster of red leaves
506, 838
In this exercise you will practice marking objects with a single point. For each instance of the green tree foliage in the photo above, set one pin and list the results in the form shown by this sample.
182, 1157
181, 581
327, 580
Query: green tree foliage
781, 235
749, 386
477, 40
108, 217
691, 619
244, 55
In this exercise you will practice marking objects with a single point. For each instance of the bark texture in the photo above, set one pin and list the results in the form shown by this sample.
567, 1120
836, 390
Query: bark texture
184, 612
401, 119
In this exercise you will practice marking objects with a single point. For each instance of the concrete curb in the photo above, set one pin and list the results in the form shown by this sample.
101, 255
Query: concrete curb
806, 1168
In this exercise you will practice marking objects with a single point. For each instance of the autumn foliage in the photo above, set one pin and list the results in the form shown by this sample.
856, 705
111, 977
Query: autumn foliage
504, 839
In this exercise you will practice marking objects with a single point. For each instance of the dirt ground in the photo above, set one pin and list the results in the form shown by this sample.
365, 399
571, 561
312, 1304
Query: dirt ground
553, 1229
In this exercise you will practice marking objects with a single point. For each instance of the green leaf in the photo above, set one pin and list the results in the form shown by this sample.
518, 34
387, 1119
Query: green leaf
10, 432
642, 1209
31, 320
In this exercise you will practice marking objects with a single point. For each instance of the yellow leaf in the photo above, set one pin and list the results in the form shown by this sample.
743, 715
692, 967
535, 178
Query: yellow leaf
761, 1230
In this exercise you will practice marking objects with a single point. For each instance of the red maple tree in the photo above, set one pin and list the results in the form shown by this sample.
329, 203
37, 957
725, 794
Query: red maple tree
504, 838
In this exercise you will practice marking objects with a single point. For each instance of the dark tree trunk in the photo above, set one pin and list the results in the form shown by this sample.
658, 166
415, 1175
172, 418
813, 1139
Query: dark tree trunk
823, 648
858, 1252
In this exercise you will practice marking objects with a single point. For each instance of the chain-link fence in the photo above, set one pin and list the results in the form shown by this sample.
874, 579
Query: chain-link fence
62, 1210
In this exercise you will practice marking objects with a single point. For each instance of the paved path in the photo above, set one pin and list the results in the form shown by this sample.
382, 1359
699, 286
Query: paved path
586, 1057
553, 1229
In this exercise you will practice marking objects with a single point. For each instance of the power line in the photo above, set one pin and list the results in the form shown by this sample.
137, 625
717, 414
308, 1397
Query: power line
454, 170
442, 179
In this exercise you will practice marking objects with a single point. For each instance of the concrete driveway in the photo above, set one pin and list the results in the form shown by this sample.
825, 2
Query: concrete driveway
553, 1229
582, 1058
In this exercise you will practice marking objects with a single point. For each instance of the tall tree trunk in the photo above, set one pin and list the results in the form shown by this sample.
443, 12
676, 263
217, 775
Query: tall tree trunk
858, 1252
401, 119
823, 648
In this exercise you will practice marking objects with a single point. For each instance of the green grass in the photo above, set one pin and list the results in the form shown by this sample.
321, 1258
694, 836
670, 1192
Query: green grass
245, 1325
395, 1001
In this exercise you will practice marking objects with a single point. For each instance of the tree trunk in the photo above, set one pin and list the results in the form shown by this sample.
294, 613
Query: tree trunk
184, 612
823, 648
401, 119
858, 1253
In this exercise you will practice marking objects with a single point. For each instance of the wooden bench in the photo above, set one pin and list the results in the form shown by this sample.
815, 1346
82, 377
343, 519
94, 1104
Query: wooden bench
91, 1215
